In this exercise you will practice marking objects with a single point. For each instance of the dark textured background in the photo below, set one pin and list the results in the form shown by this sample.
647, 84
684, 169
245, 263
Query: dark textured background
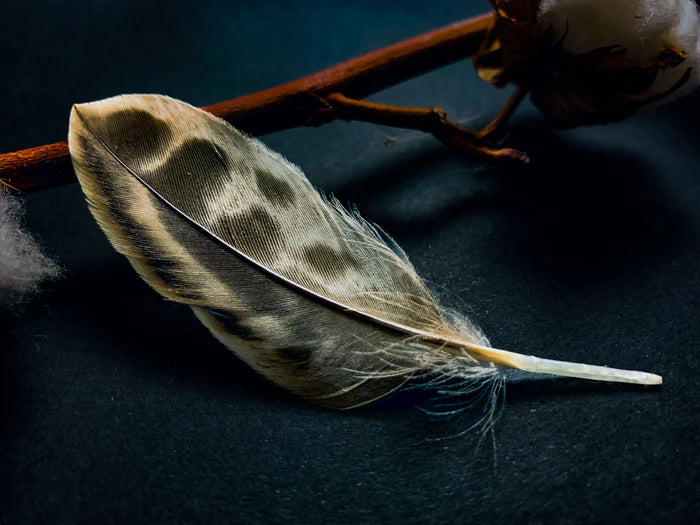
119, 407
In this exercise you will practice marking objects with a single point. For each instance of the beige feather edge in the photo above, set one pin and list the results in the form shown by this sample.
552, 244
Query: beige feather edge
310, 295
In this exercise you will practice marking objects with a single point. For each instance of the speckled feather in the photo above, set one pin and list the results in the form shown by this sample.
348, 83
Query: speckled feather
233, 192
312, 296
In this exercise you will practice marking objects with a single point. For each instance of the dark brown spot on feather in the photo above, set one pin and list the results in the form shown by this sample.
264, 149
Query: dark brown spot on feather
170, 272
254, 230
328, 261
196, 163
300, 357
134, 128
273, 188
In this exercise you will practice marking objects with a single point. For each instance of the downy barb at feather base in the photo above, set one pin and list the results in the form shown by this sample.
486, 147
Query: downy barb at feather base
310, 295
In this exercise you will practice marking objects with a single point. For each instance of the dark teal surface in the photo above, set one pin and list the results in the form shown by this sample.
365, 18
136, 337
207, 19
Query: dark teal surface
120, 407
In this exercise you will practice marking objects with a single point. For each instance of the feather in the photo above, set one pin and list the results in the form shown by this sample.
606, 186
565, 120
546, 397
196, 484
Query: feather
310, 295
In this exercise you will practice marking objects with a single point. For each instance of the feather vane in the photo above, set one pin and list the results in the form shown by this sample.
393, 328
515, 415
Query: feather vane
309, 294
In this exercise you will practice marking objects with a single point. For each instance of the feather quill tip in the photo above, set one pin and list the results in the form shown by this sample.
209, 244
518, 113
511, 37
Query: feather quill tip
584, 371
539, 365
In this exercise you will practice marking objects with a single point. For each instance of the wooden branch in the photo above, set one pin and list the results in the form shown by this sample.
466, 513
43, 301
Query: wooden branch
295, 103
37, 168
433, 121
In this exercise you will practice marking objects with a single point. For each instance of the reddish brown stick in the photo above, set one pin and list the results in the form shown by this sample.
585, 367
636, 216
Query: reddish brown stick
292, 104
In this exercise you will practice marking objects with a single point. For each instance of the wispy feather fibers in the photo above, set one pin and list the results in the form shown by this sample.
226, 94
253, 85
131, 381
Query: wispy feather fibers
310, 295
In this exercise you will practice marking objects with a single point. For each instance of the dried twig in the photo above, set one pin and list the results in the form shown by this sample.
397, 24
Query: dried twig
317, 99
430, 120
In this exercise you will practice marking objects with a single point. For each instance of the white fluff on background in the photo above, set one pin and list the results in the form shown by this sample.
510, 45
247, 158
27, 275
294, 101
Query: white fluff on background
640, 26
22, 264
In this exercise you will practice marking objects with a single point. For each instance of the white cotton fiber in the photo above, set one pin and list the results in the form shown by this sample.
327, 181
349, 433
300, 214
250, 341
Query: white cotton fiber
640, 26
22, 264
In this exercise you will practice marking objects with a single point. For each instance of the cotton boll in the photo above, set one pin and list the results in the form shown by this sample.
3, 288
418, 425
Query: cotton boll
637, 25
22, 264
593, 61
642, 27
